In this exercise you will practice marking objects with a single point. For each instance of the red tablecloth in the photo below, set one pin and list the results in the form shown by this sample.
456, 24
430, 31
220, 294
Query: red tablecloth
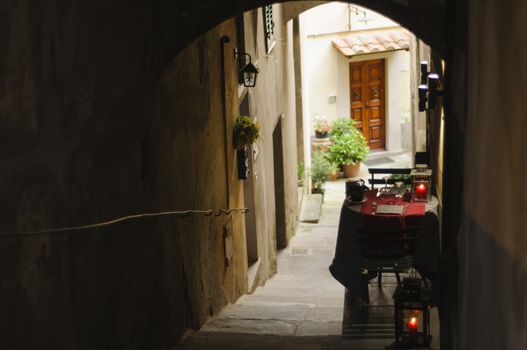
411, 216
346, 266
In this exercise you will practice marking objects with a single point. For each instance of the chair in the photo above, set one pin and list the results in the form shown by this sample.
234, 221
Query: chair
387, 250
421, 158
401, 171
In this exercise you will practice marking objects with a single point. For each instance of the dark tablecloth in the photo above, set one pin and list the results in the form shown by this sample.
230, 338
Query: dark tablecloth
346, 266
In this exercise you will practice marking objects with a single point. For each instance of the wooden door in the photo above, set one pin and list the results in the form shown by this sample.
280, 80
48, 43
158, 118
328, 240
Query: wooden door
367, 100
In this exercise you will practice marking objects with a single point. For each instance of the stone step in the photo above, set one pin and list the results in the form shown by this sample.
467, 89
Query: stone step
311, 208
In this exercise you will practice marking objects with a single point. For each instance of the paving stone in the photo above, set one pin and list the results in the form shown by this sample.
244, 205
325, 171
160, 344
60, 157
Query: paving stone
302, 306
251, 326
312, 328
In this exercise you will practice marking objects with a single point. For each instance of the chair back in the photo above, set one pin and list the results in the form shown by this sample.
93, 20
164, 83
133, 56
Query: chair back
387, 243
388, 171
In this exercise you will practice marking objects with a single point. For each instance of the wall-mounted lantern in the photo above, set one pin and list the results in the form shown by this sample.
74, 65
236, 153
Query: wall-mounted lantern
249, 72
428, 89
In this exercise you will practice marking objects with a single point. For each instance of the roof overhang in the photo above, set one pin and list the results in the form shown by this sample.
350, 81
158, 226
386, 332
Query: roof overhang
373, 41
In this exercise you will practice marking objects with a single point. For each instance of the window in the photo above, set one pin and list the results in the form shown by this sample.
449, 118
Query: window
269, 24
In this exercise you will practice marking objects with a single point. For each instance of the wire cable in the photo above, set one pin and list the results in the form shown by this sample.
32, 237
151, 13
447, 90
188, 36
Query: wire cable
183, 213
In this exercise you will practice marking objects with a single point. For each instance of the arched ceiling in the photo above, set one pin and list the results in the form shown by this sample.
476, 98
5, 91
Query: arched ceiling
189, 19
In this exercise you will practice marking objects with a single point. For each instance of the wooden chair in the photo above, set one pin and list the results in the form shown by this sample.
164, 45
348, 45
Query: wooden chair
387, 250
388, 171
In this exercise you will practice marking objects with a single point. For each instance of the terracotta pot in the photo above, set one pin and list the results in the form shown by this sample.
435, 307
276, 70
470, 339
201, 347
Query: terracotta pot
351, 170
333, 176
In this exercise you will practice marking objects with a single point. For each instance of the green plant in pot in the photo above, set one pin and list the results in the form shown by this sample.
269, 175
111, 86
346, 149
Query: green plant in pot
342, 126
349, 148
245, 132
300, 173
333, 170
320, 169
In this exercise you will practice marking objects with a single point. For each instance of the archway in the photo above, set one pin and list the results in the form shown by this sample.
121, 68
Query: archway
100, 109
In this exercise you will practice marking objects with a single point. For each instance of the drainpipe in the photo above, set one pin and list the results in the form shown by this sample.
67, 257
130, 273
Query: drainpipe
224, 40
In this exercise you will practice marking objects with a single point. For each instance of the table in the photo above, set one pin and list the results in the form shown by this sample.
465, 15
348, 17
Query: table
347, 262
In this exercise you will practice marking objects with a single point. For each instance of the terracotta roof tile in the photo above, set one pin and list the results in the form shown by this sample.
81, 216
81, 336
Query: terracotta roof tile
373, 41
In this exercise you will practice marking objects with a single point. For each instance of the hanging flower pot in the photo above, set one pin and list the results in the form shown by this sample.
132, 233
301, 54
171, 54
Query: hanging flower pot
243, 163
245, 132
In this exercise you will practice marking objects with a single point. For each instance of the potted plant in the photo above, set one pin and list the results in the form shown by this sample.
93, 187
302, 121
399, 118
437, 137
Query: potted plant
320, 169
245, 132
349, 148
333, 171
342, 126
300, 173
322, 127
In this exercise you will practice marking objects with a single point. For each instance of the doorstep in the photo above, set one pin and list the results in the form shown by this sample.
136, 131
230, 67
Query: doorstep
311, 208
373, 155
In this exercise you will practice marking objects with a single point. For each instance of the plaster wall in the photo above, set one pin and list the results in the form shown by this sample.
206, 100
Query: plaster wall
327, 70
343, 19
421, 52
493, 244
272, 101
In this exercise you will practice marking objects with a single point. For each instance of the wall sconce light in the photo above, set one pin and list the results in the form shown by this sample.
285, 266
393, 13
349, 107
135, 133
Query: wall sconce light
249, 72
428, 89
424, 72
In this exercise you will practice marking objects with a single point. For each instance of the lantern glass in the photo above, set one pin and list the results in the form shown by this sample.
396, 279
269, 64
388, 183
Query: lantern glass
249, 79
421, 184
412, 321
249, 73
412, 327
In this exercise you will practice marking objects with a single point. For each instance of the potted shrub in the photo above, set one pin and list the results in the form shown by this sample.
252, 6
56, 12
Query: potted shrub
342, 126
320, 169
349, 148
245, 132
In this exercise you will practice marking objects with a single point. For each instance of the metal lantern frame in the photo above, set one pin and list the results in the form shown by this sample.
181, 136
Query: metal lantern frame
413, 296
248, 73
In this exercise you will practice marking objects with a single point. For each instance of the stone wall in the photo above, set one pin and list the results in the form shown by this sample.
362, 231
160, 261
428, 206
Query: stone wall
96, 127
91, 134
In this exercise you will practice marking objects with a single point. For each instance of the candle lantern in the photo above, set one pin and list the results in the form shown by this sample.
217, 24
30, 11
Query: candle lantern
421, 183
412, 315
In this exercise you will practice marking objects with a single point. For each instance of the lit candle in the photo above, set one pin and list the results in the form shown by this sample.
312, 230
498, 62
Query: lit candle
412, 325
421, 188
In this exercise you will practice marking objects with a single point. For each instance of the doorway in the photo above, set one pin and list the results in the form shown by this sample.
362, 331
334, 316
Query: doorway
279, 189
248, 194
367, 85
